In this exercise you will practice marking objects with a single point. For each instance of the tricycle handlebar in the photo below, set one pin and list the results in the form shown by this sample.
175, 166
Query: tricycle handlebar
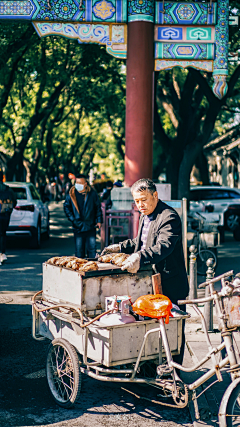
216, 279
195, 301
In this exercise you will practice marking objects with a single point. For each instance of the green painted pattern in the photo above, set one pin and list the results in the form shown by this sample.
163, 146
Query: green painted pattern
184, 51
199, 33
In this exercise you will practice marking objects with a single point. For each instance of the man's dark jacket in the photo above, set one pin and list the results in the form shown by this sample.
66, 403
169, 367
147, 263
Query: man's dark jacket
7, 196
92, 211
164, 250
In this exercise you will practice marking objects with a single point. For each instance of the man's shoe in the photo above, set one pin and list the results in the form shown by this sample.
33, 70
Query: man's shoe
3, 258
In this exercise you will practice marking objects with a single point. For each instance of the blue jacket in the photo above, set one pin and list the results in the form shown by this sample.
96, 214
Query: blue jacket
92, 211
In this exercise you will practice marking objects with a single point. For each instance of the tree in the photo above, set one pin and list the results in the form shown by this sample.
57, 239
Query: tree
63, 104
186, 111
186, 115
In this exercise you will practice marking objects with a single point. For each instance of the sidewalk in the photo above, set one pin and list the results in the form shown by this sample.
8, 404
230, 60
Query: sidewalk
195, 350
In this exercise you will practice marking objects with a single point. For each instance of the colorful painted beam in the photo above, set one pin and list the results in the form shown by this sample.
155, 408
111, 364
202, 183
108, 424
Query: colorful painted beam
184, 51
114, 11
161, 65
184, 13
184, 34
113, 36
141, 10
220, 68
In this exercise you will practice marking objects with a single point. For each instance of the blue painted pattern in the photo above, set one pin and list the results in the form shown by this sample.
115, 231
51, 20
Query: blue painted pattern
141, 10
184, 13
114, 36
220, 67
184, 51
65, 10
170, 33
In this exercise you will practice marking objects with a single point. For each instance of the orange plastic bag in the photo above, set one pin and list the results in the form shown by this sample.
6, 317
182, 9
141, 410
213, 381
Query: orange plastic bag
155, 306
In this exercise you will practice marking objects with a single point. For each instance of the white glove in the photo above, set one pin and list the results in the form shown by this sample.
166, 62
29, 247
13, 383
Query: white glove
112, 249
132, 264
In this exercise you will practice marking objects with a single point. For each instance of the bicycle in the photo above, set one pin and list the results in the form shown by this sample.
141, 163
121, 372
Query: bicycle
227, 302
69, 353
203, 252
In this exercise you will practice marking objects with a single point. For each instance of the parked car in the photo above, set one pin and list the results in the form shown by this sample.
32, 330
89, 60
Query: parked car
224, 201
30, 217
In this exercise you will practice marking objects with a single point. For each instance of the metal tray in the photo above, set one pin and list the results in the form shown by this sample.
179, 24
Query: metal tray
105, 269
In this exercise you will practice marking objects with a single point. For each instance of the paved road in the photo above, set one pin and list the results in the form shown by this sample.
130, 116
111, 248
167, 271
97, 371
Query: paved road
23, 270
24, 396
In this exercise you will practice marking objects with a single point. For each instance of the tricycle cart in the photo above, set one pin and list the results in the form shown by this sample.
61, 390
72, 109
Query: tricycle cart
116, 348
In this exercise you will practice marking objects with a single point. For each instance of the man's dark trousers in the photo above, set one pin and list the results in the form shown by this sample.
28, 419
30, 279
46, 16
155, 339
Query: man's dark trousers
85, 242
4, 221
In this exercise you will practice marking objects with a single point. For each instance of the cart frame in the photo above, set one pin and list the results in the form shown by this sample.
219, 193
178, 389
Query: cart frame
170, 385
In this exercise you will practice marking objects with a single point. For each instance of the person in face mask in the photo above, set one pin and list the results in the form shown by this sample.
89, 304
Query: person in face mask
83, 208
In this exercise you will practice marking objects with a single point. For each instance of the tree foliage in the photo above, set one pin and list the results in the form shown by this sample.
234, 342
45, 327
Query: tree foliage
61, 105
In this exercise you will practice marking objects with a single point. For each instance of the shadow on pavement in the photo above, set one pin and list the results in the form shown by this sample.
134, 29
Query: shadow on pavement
26, 400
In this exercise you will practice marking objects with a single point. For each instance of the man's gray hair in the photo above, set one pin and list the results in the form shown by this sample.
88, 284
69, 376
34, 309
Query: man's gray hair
144, 184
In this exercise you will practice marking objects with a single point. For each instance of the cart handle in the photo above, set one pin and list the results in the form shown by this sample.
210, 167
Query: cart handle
78, 310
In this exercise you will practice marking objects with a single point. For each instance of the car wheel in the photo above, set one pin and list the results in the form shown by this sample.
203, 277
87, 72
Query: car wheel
36, 237
233, 222
236, 234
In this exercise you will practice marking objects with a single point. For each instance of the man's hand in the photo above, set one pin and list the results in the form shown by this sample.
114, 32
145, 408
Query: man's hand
112, 249
77, 223
132, 264
98, 225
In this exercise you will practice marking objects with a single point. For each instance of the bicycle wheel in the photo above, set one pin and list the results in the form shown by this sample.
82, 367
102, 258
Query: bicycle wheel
233, 408
63, 373
202, 257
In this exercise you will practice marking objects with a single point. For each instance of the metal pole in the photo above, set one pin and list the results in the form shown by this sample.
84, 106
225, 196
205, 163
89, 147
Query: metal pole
208, 308
193, 273
103, 228
184, 229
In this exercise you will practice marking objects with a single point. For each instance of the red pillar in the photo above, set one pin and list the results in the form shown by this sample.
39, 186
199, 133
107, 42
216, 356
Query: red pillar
139, 102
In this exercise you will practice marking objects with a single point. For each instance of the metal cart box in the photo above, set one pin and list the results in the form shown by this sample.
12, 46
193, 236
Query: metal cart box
89, 291
109, 345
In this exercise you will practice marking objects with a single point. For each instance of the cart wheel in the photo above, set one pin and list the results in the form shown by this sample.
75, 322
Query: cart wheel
63, 373
233, 408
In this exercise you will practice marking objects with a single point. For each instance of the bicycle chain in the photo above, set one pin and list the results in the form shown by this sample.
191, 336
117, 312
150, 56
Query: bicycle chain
185, 402
183, 405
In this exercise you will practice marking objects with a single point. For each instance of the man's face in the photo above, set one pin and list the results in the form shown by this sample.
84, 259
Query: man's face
83, 182
145, 201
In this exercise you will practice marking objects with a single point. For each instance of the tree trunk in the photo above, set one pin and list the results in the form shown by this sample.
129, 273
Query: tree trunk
190, 154
172, 166
202, 165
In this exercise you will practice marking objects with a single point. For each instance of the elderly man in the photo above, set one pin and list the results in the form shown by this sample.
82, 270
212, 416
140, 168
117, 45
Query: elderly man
159, 242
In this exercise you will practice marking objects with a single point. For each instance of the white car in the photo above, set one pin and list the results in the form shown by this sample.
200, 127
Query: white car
217, 200
30, 217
